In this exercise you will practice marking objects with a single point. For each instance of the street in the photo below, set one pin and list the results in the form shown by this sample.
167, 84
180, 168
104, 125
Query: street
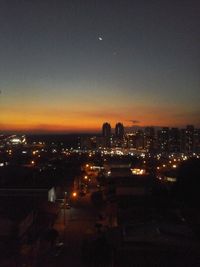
74, 225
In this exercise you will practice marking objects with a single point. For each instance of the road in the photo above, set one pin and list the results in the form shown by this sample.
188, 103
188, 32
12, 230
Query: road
74, 225
79, 221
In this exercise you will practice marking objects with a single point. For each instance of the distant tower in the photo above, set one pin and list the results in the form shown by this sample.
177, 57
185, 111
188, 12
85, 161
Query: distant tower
119, 130
149, 138
189, 138
163, 139
106, 130
174, 140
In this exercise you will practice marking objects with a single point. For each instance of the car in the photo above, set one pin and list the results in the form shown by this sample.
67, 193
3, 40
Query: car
67, 206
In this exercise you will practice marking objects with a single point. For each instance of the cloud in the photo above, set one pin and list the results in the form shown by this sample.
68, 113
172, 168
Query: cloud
134, 121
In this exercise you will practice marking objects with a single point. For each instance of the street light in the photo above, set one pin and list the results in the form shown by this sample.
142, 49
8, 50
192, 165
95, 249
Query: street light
74, 194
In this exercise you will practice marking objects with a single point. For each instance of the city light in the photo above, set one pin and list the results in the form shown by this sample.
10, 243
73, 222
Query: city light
171, 179
138, 171
99, 133
74, 194
15, 141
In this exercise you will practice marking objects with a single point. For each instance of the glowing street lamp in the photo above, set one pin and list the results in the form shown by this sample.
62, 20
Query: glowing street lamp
74, 194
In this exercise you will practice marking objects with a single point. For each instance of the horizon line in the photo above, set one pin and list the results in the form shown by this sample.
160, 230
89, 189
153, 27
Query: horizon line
70, 132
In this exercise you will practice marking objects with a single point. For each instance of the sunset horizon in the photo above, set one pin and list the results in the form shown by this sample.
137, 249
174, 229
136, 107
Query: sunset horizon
68, 67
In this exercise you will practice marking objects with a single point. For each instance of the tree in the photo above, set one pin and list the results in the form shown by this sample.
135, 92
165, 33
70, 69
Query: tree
97, 199
188, 182
51, 235
187, 190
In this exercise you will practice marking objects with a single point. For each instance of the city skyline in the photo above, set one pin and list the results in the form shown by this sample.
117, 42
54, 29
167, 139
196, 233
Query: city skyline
127, 130
68, 67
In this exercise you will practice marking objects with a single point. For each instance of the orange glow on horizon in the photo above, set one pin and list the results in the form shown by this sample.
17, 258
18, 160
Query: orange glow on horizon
87, 118
76, 126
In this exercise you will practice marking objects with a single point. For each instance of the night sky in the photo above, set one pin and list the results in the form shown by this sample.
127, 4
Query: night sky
69, 66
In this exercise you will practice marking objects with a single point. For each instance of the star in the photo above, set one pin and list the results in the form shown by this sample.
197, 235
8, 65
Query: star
100, 38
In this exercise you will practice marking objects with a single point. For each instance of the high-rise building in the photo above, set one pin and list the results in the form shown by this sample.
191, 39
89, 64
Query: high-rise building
106, 133
106, 130
163, 140
139, 140
197, 140
119, 130
149, 139
189, 139
130, 140
174, 140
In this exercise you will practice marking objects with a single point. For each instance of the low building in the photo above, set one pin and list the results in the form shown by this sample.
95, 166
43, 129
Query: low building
27, 209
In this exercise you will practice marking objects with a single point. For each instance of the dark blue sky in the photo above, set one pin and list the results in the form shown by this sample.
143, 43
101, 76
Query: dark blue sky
55, 73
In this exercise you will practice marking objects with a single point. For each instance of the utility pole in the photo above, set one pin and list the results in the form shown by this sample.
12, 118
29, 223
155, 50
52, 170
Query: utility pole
65, 202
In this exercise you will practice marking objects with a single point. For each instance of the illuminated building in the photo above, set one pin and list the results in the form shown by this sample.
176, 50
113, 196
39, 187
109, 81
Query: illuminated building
92, 143
149, 139
16, 140
163, 140
189, 145
174, 140
187, 139
197, 140
139, 140
130, 140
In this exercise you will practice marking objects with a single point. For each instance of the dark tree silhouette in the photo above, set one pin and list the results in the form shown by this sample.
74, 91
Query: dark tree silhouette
188, 182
